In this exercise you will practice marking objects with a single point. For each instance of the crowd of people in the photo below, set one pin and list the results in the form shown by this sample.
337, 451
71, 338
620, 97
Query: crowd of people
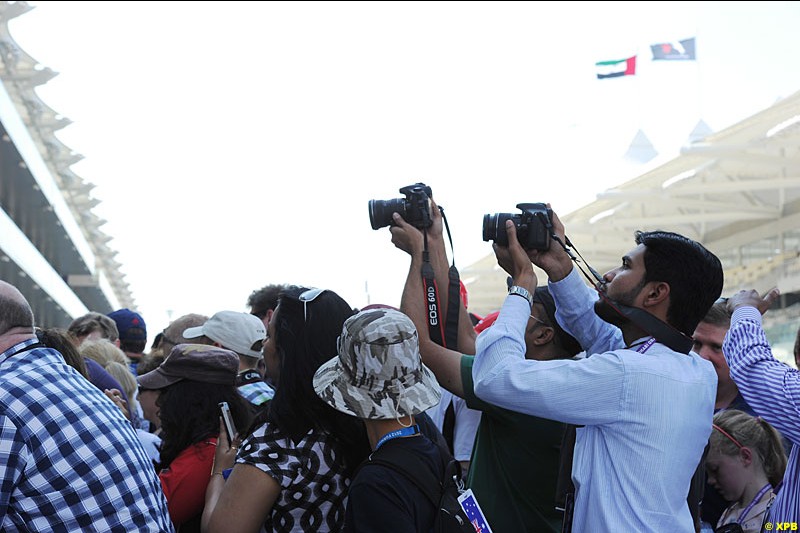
642, 400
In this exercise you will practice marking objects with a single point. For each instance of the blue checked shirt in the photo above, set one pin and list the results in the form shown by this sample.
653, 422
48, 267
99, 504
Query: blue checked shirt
773, 391
256, 393
69, 460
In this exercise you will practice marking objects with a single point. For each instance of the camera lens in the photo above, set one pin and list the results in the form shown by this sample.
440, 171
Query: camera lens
380, 211
488, 227
494, 228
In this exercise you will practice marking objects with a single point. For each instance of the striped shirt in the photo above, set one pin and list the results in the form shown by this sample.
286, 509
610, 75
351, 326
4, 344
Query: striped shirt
772, 389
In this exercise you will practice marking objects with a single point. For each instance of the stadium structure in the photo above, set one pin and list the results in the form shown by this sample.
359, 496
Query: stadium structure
51, 244
736, 191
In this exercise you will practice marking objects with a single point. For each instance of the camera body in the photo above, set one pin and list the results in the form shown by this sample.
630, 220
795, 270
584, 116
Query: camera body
415, 208
533, 226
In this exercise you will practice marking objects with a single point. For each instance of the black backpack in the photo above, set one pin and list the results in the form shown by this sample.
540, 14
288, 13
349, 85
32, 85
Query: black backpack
443, 493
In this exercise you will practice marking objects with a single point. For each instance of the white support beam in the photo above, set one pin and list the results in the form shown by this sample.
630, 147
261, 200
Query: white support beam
22, 140
20, 250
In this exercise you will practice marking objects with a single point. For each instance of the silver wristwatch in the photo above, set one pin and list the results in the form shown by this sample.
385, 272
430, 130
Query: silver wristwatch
521, 291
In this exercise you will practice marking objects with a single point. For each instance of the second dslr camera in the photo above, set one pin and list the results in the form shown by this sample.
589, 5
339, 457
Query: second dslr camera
533, 226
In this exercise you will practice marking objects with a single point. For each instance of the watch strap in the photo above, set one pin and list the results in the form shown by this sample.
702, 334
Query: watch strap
516, 290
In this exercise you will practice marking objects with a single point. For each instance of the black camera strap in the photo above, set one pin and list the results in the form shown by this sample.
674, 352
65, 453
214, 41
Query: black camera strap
442, 332
453, 296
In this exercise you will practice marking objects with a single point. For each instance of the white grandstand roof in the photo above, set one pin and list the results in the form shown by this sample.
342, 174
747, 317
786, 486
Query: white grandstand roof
736, 191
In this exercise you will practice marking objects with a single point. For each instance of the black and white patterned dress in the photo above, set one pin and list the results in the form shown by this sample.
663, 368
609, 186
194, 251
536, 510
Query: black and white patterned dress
314, 489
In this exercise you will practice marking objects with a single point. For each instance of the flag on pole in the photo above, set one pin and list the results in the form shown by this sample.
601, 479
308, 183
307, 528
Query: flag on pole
616, 68
683, 51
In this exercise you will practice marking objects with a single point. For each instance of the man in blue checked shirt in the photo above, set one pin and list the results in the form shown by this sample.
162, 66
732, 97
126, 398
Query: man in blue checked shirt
69, 460
770, 387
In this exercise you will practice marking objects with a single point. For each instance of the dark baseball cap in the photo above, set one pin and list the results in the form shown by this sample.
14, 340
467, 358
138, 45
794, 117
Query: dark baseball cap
194, 362
130, 325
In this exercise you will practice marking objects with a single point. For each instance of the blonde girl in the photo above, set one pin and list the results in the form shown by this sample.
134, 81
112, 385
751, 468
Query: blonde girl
745, 463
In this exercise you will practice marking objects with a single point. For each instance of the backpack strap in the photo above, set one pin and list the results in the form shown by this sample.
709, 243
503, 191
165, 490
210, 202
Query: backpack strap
411, 466
449, 426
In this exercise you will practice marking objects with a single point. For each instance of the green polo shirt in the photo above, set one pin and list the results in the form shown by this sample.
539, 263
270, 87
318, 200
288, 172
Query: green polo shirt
514, 465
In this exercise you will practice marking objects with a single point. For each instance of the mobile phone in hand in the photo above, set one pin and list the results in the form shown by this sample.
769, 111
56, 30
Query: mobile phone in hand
230, 428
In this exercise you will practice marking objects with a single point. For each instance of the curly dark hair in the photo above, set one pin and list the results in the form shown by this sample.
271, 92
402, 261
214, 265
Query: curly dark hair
189, 413
262, 300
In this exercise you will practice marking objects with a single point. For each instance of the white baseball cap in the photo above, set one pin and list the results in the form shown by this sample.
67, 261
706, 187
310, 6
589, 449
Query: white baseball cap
240, 332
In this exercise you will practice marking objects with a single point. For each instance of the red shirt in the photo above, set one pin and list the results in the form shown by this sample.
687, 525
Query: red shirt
186, 479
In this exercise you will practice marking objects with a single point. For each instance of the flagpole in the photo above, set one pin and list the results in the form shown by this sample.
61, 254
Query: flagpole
639, 104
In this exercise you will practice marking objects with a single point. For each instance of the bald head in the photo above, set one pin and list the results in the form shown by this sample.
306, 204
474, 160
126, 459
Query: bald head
16, 316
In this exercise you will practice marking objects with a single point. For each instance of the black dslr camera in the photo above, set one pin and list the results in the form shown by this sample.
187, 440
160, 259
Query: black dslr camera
533, 226
415, 208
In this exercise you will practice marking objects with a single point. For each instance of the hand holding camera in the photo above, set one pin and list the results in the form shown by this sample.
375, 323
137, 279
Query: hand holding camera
534, 228
410, 239
514, 259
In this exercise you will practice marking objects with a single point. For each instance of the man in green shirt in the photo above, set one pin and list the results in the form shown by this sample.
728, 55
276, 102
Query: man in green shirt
515, 461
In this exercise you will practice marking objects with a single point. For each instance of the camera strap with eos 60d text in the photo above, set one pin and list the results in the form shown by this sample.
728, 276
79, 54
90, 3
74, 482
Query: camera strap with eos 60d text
443, 332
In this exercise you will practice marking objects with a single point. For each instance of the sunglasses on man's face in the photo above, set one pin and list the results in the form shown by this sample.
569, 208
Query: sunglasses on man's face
309, 296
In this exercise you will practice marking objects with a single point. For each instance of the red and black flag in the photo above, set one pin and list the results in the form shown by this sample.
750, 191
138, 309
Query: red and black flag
683, 51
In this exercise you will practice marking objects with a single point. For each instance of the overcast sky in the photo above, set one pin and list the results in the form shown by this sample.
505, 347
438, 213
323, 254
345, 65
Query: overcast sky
235, 144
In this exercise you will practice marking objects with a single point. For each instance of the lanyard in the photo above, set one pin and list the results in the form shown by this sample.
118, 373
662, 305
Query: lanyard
405, 432
757, 498
644, 346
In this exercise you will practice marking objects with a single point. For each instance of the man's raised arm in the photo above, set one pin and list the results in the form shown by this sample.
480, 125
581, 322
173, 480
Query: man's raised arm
444, 362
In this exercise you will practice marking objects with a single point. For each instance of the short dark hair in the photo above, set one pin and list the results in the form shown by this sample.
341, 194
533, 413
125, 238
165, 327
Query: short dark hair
262, 300
136, 345
693, 273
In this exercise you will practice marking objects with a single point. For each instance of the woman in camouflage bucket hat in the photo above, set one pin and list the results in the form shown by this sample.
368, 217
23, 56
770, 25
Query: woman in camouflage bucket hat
379, 378
378, 374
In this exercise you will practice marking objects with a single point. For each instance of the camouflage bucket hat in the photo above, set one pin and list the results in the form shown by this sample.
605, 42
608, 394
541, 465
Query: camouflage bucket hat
378, 373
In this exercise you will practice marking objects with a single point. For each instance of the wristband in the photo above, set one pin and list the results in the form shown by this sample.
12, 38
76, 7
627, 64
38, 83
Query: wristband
516, 290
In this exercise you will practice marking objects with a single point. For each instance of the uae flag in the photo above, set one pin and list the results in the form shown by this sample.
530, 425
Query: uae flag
617, 68
683, 51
